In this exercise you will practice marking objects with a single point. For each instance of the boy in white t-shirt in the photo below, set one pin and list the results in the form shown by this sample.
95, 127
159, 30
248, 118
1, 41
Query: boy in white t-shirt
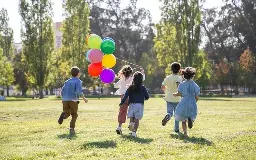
169, 86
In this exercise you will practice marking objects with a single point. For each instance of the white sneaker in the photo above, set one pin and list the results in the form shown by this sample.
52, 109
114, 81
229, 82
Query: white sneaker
119, 130
134, 134
131, 126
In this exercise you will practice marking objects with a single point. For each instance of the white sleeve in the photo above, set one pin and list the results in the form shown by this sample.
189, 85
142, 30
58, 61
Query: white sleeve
118, 83
144, 77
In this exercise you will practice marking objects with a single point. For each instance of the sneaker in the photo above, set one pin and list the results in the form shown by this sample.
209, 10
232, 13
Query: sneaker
131, 126
119, 130
72, 131
166, 119
134, 134
190, 123
176, 131
60, 121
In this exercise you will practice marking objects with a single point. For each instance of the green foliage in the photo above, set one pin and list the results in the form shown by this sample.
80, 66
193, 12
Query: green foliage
20, 70
6, 70
154, 73
75, 30
166, 48
204, 70
6, 35
186, 18
37, 39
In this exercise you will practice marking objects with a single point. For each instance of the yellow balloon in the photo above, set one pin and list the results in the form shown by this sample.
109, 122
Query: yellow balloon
109, 61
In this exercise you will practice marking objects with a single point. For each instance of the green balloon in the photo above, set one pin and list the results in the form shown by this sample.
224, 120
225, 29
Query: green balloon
94, 42
107, 46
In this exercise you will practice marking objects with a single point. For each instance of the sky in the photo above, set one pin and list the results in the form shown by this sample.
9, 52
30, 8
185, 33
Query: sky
151, 5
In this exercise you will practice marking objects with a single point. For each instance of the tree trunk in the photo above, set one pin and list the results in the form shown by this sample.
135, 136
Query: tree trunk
51, 91
46, 91
23, 92
41, 94
7, 91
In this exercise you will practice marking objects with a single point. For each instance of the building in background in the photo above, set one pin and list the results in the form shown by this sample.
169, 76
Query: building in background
58, 35
17, 48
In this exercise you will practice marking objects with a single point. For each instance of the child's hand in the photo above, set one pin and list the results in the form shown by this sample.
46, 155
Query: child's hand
175, 94
142, 70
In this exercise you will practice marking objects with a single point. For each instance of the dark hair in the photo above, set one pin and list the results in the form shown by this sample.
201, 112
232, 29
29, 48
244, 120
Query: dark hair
189, 72
136, 83
175, 67
126, 71
74, 71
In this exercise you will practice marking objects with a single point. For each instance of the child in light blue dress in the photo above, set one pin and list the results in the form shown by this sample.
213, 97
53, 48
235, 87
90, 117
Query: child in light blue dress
187, 108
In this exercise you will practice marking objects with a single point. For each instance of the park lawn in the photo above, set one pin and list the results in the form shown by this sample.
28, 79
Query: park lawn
224, 129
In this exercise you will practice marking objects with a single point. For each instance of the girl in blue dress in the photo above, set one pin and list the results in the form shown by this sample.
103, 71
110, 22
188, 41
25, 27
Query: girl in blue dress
186, 110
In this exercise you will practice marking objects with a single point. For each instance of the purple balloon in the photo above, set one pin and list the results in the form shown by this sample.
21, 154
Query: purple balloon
107, 76
95, 56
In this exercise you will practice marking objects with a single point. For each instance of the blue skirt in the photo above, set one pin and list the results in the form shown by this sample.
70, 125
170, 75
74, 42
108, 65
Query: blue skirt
186, 108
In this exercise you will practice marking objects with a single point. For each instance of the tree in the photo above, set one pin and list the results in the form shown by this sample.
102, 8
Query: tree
230, 31
6, 71
6, 42
185, 16
75, 30
247, 64
38, 40
128, 26
20, 73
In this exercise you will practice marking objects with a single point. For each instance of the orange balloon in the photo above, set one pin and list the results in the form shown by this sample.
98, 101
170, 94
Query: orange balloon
95, 69
87, 37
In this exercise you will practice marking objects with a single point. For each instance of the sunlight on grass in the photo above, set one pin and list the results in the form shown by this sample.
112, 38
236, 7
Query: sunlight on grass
224, 129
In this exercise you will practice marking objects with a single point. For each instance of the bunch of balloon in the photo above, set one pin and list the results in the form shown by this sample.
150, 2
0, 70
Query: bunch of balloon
101, 57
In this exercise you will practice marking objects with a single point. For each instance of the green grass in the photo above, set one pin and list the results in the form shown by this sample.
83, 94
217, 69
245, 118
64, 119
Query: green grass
225, 129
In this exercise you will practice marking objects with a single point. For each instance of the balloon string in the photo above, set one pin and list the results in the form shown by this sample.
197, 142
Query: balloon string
130, 63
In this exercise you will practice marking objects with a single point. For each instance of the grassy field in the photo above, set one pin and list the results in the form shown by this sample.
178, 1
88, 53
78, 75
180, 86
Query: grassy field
225, 129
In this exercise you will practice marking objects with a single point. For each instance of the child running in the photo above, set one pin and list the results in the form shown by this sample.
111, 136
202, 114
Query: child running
137, 93
187, 107
169, 86
125, 75
70, 93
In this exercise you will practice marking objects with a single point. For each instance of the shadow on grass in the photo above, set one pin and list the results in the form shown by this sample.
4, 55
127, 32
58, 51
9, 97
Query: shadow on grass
66, 136
227, 99
137, 139
13, 100
104, 144
195, 140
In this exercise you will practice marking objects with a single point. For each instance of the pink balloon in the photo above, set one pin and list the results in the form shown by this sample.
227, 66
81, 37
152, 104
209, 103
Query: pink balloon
95, 56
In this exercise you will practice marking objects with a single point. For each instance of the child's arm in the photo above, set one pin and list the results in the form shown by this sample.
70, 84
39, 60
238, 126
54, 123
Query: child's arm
79, 91
180, 88
118, 84
197, 98
126, 95
176, 94
163, 88
146, 93
143, 74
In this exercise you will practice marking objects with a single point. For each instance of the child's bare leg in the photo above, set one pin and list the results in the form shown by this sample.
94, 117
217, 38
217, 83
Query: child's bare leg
120, 124
184, 127
136, 125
